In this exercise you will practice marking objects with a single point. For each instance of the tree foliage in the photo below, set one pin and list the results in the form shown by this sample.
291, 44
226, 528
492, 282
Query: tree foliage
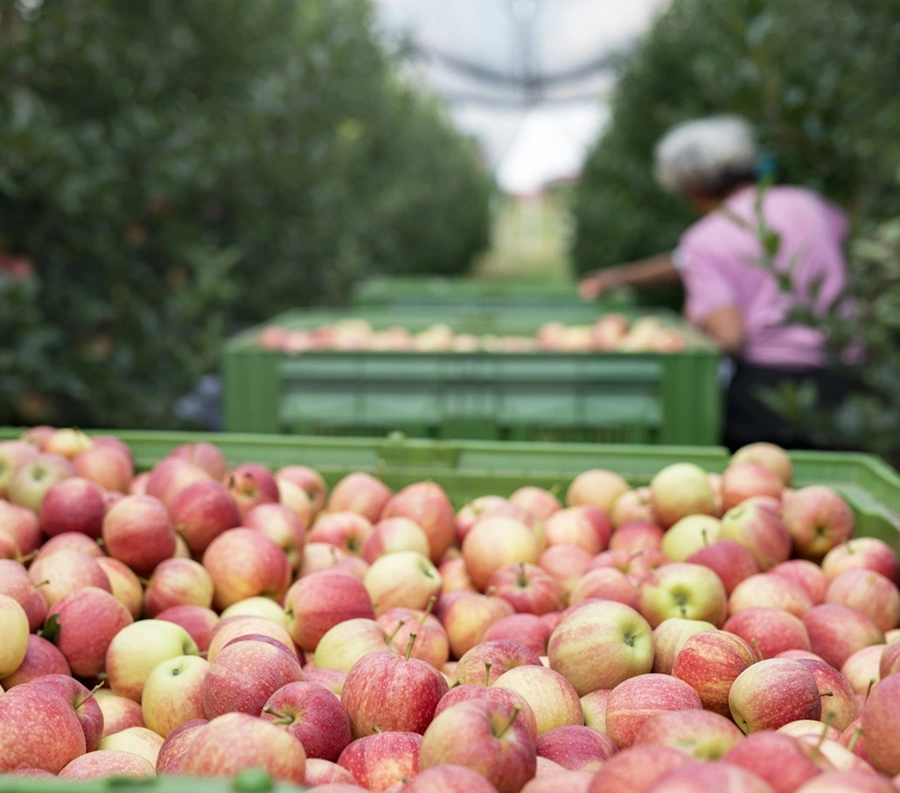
175, 169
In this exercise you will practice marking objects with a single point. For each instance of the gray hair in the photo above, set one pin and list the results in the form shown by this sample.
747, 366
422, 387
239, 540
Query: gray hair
709, 156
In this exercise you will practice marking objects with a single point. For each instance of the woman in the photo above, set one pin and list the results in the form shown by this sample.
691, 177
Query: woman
754, 256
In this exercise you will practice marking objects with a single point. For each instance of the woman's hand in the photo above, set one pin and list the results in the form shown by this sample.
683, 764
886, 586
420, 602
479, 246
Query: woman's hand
598, 283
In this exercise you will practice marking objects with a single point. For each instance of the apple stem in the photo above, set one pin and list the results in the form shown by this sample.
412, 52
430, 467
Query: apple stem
634, 555
487, 673
869, 690
826, 693
29, 557
390, 637
145, 582
857, 734
456, 683
523, 579
428, 609
230, 481
490, 591
509, 724
757, 649
90, 694
43, 583
705, 537
101, 542
376, 729
412, 641
272, 712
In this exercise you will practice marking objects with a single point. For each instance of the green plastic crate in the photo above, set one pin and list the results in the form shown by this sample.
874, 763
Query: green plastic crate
248, 782
467, 469
671, 398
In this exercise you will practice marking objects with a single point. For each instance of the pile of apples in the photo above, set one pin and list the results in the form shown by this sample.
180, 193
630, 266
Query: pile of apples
703, 633
611, 332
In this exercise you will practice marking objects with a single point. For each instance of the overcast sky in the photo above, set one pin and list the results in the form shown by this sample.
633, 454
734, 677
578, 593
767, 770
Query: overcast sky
526, 144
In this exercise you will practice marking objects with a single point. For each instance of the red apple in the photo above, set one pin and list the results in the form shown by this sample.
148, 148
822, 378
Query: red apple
636, 564
702, 734
862, 669
308, 480
637, 699
539, 502
16, 583
741, 481
730, 560
721, 777
119, 713
528, 587
348, 531
633, 505
427, 505
566, 563
328, 775
13, 454
464, 692
244, 563
359, 492
106, 763
870, 592
636, 770
280, 525
171, 753
808, 574
769, 455
198, 621
402, 579
432, 644
596, 487
107, 465
710, 662
488, 660
21, 525
760, 530
880, 723
469, 616
41, 658
679, 490
205, 455
859, 780
670, 636
818, 519
837, 631
770, 631
890, 660
585, 526
137, 531
82, 701
178, 582
766, 590
73, 505
866, 552
230, 628
446, 779
772, 693
605, 583
313, 715
251, 484
138, 486
528, 630
496, 542
576, 748
171, 476
394, 534
777, 758
383, 760
637, 535
553, 699
202, 511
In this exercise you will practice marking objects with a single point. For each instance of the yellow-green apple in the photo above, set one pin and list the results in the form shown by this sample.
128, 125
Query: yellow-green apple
178, 582
566, 563
770, 631
860, 780
808, 574
317, 602
14, 630
446, 779
37, 435
596, 487
464, 692
576, 748
138, 486
228, 629
251, 484
296, 500
427, 505
633, 505
890, 660
319, 556
485, 736
830, 754
258, 606
309, 481
636, 770
382, 760
528, 587
108, 462
779, 759
281, 526
106, 763
313, 715
66, 442
730, 560
837, 631
637, 535
205, 455
74, 504
760, 530
347, 531
469, 616
326, 772
593, 706
394, 534
234, 742
244, 563
432, 644
866, 552
66, 571
690, 534
495, 542
455, 576
124, 584
137, 740
769, 455
15, 582
862, 669
880, 724
528, 630
137, 531
810, 728
38, 729
869, 592
488, 660
720, 777
89, 619
137, 649
682, 589
767, 590
670, 636
710, 662
348, 641
202, 511
715, 482
585, 526
702, 734
402, 579
33, 479
119, 713
171, 476
12, 455
171, 753
89, 714
359, 492
605, 583
743, 480
552, 698
70, 541
679, 490
41, 658
173, 693
613, 631
198, 621
539, 502
395, 693
817, 519
21, 525
636, 699
772, 693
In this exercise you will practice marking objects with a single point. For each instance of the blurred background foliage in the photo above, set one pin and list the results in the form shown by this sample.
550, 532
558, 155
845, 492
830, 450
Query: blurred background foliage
176, 170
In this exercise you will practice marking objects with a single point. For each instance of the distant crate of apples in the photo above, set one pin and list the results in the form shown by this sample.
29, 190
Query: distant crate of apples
610, 333
211, 615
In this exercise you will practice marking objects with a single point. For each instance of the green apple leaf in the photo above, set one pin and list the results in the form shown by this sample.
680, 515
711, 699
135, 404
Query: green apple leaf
51, 629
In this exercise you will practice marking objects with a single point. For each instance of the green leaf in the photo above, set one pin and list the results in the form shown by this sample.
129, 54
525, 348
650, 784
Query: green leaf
51, 629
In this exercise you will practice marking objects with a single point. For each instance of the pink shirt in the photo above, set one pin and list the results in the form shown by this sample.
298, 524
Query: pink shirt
721, 265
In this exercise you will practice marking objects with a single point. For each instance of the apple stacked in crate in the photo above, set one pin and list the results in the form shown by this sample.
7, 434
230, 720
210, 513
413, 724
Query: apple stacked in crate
705, 632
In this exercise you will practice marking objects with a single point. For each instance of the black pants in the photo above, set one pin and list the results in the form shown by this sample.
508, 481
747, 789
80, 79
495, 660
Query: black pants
748, 419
